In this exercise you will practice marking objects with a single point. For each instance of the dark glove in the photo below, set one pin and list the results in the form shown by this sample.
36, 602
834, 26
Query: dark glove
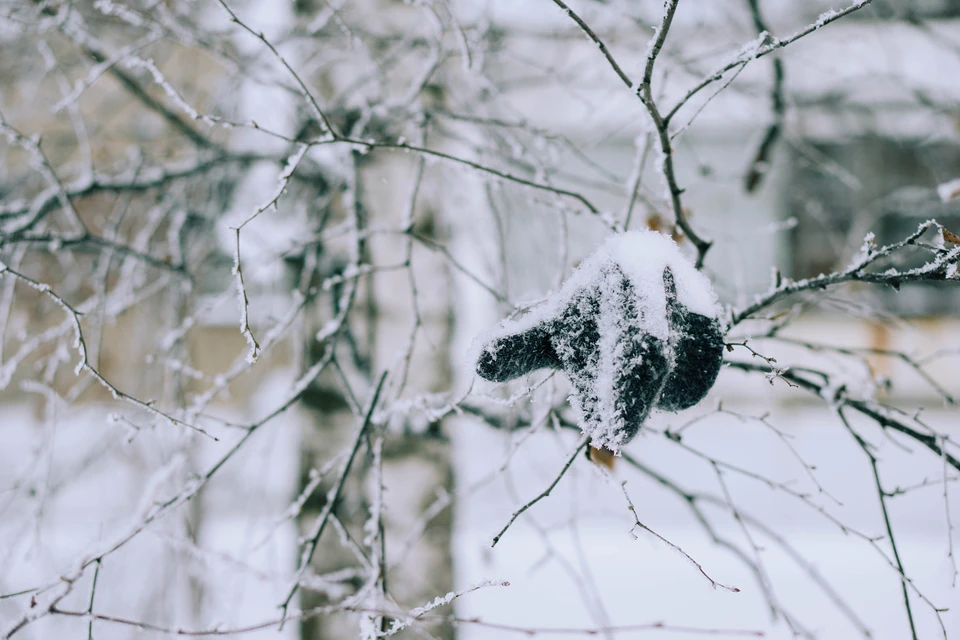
605, 338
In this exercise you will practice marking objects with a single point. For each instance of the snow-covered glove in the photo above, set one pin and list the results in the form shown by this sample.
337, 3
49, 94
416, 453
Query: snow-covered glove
634, 328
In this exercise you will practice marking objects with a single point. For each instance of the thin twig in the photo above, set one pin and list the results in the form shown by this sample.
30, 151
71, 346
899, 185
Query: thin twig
546, 492
637, 523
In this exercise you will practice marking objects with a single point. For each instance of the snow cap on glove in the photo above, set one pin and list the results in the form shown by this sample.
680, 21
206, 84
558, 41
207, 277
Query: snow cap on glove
635, 327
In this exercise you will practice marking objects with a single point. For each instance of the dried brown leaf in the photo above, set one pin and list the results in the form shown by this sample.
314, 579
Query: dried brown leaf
602, 457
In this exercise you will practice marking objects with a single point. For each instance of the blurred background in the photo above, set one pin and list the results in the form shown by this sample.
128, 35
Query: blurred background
246, 247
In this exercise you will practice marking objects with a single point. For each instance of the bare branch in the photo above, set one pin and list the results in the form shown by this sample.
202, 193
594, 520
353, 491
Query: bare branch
637, 523
546, 492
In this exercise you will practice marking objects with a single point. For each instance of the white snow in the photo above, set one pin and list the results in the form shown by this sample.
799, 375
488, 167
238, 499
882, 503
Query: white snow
824, 18
643, 256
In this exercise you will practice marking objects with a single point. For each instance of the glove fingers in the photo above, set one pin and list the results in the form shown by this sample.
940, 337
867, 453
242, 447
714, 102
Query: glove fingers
616, 376
568, 341
698, 357
513, 355
575, 333
616, 403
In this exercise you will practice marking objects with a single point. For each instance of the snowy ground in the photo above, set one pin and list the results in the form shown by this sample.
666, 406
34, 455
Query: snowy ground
571, 561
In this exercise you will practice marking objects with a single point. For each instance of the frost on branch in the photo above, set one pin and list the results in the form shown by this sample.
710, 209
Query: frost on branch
634, 328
